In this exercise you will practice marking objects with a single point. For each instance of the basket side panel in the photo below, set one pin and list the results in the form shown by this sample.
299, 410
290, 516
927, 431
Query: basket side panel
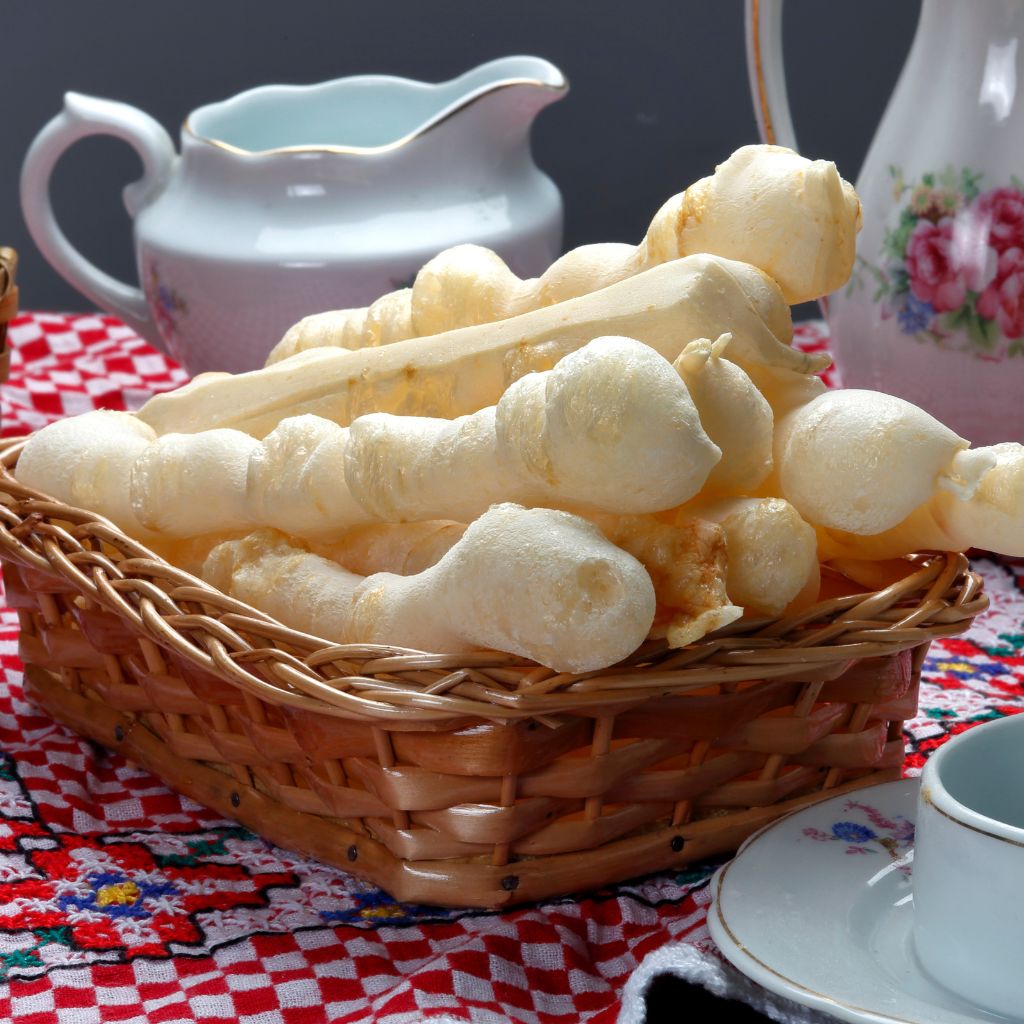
460, 810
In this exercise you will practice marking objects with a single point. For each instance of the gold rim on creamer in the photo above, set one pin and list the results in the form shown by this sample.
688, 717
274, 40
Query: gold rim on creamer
561, 86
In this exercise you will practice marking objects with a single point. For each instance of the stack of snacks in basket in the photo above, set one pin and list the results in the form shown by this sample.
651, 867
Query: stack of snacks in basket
502, 589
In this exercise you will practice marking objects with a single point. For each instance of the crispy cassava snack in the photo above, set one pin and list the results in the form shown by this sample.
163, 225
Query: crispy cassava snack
543, 584
862, 461
793, 218
610, 428
736, 416
459, 372
772, 553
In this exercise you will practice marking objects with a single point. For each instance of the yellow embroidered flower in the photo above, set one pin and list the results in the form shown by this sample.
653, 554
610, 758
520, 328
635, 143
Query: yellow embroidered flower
122, 893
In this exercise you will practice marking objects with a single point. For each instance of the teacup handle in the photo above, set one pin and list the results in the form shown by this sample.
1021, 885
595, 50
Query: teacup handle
83, 116
767, 72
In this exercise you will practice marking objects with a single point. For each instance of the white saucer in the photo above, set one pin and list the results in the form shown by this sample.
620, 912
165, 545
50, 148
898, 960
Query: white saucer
817, 907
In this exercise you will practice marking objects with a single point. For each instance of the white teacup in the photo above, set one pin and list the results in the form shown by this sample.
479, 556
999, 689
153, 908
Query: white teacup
969, 867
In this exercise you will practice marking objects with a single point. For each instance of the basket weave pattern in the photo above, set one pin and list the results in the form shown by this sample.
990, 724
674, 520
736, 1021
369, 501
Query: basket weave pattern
465, 780
8, 304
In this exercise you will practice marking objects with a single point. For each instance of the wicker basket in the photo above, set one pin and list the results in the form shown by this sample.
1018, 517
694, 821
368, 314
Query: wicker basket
8, 304
477, 780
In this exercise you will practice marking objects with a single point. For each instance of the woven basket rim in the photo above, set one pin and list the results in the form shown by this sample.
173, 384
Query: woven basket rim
8, 303
939, 596
8, 286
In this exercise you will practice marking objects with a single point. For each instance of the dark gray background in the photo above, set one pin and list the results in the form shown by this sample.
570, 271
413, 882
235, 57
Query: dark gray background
659, 90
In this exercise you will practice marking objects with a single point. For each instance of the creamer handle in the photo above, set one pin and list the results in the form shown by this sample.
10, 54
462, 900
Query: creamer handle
767, 72
83, 116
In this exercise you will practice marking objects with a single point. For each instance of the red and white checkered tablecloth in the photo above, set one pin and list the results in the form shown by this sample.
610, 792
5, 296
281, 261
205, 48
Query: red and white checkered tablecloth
121, 901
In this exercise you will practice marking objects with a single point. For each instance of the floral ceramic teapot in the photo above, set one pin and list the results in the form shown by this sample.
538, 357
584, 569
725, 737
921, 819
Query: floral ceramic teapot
934, 311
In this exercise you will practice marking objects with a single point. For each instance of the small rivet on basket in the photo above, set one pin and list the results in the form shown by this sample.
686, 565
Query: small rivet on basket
510, 883
118, 734
235, 799
352, 852
676, 844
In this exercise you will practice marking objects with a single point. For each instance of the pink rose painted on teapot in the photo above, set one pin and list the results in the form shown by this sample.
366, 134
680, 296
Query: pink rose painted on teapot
1003, 210
951, 267
1003, 299
934, 273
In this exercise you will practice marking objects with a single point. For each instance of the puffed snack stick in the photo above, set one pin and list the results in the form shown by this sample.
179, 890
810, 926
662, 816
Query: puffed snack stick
534, 582
793, 218
459, 372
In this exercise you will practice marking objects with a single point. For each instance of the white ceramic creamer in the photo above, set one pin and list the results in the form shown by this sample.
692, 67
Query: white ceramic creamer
291, 200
